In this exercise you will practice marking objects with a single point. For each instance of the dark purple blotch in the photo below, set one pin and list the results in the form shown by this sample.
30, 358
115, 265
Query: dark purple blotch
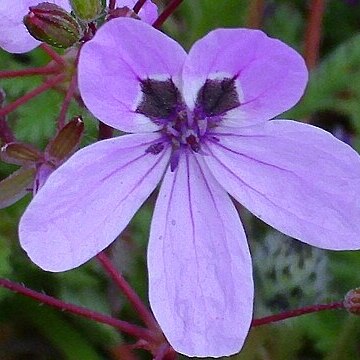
160, 99
216, 97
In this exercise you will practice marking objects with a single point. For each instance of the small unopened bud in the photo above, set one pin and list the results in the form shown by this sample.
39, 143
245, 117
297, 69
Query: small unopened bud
66, 141
88, 10
53, 25
352, 301
20, 154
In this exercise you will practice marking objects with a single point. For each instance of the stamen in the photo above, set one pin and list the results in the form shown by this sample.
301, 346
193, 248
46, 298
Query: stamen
193, 142
172, 131
183, 129
174, 159
202, 125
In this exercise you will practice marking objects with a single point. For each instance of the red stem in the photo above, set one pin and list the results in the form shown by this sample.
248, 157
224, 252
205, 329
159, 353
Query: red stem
67, 100
162, 351
69, 95
127, 290
37, 91
255, 14
166, 13
44, 70
93, 29
138, 6
53, 54
123, 326
296, 312
165, 352
77, 97
313, 33
112, 4
6, 135
171, 354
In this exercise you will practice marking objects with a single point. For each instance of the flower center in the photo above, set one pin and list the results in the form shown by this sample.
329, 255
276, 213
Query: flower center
163, 103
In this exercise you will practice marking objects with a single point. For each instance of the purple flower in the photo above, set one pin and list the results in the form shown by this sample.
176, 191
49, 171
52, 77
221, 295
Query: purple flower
14, 36
201, 122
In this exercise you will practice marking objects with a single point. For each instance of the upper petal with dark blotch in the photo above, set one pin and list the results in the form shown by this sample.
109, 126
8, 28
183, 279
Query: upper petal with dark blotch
87, 202
200, 273
123, 52
270, 76
297, 178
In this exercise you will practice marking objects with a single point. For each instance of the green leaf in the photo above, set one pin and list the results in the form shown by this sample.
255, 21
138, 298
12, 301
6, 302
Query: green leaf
286, 24
202, 16
335, 84
63, 336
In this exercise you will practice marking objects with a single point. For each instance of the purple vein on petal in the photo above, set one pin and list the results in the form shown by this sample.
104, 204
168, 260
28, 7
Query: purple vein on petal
141, 180
193, 224
257, 191
251, 158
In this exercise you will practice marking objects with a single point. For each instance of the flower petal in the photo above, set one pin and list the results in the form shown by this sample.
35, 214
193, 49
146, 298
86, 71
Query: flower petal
200, 272
270, 76
14, 36
88, 201
295, 177
123, 52
148, 12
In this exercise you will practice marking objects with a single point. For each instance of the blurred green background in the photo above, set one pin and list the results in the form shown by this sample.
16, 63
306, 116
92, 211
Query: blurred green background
287, 273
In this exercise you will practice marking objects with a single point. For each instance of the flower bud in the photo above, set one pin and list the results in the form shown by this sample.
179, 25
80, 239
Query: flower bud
352, 301
88, 10
51, 24
66, 141
15, 186
20, 154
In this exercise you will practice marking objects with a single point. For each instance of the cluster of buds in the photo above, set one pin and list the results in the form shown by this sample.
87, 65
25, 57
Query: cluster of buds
36, 166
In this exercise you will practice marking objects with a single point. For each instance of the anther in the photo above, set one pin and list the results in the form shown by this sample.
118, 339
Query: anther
193, 142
